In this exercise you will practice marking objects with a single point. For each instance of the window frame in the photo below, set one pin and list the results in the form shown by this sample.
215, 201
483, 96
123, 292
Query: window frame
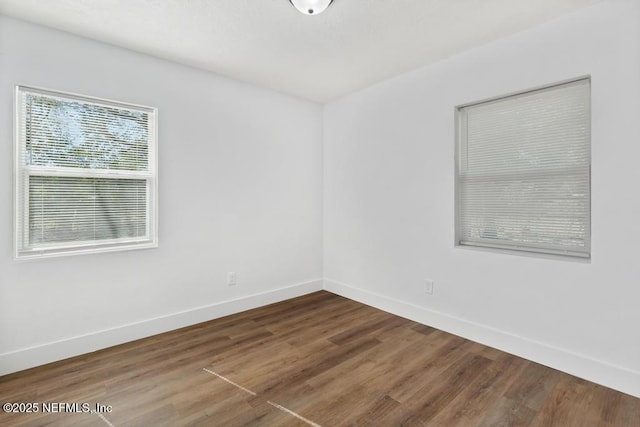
23, 172
518, 248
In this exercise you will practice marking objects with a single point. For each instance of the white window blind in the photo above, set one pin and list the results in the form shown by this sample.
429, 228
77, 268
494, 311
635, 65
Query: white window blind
85, 174
523, 179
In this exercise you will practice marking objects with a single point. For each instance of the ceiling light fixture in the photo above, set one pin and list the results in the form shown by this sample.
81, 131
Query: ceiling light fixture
311, 7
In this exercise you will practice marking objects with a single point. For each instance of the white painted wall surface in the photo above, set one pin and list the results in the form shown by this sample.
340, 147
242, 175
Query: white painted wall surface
240, 189
389, 201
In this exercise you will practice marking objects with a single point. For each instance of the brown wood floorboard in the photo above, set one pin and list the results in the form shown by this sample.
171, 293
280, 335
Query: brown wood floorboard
332, 361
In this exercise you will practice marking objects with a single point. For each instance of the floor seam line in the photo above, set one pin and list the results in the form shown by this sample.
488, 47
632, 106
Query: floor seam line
230, 382
103, 418
289, 411
275, 405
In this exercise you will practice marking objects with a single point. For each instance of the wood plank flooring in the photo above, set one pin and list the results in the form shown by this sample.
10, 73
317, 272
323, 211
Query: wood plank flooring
315, 360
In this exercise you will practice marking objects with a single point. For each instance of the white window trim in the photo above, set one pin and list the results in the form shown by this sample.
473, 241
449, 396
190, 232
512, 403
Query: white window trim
21, 209
505, 247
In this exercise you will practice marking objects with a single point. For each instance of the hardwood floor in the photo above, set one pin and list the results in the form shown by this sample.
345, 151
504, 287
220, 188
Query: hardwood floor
315, 360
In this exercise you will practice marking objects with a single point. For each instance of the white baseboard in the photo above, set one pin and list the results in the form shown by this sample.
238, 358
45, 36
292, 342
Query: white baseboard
600, 372
597, 371
19, 360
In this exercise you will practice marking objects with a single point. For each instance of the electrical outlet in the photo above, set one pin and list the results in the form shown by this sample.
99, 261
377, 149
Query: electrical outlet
232, 278
428, 286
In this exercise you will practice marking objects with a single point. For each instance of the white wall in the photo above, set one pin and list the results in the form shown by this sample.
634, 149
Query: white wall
240, 189
389, 201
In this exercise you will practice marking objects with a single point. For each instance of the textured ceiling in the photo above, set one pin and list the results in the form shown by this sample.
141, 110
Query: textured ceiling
352, 45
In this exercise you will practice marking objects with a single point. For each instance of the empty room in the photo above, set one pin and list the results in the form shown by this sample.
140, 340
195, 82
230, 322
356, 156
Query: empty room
319, 213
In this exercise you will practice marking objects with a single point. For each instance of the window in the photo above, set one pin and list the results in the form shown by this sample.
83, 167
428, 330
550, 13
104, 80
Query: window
85, 174
523, 171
